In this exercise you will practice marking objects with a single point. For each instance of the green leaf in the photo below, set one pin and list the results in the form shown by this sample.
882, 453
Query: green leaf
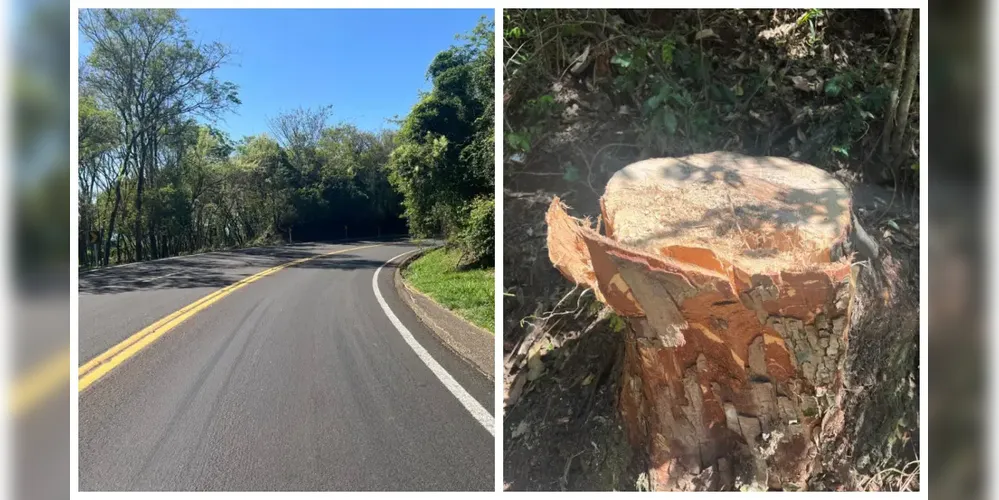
833, 88
519, 142
667, 52
616, 323
809, 15
841, 150
653, 103
623, 59
669, 120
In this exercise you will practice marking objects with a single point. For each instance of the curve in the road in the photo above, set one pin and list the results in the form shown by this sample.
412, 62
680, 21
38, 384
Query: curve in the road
96, 368
301, 383
474, 408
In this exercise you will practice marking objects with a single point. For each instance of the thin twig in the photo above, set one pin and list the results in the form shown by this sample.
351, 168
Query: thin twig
892, 202
565, 473
579, 301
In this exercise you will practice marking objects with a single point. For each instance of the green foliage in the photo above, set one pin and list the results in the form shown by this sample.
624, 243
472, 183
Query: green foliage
540, 112
443, 162
655, 69
213, 193
809, 16
151, 176
98, 129
156, 182
616, 323
477, 237
468, 292
518, 141
809, 84
668, 48
514, 33
623, 60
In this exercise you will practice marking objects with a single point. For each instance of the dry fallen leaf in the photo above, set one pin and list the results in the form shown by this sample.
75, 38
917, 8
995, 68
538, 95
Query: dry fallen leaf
581, 61
705, 33
535, 367
801, 83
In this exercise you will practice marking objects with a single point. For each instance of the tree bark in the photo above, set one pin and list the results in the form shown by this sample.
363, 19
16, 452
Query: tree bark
117, 201
912, 74
111, 222
154, 251
900, 61
735, 274
138, 201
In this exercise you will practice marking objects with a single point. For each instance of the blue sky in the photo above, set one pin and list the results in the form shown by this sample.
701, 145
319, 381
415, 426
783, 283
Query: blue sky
368, 64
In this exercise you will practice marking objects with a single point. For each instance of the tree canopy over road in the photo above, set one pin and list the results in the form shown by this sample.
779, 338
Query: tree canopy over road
158, 177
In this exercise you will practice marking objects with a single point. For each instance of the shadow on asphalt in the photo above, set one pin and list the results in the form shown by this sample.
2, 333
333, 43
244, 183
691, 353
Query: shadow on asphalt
219, 269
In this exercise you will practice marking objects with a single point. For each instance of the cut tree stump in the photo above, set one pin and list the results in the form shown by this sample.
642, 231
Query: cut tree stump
735, 274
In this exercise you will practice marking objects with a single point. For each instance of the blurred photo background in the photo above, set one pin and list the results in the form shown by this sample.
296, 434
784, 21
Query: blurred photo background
959, 170
37, 70
36, 312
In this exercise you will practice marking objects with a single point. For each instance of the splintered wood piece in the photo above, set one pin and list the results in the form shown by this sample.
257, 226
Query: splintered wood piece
736, 275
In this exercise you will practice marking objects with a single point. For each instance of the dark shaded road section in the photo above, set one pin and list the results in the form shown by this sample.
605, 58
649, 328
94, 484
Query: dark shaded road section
297, 381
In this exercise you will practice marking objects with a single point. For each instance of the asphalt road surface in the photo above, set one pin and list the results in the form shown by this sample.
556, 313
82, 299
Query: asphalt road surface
296, 381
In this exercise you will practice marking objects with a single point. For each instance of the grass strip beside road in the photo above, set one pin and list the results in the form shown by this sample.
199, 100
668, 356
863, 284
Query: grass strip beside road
469, 293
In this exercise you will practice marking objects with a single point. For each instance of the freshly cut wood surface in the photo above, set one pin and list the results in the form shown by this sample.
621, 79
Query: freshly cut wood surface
760, 214
736, 274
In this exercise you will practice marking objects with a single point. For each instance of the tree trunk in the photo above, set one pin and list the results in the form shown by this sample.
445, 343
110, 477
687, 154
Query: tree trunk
138, 202
900, 62
735, 274
114, 214
153, 251
911, 75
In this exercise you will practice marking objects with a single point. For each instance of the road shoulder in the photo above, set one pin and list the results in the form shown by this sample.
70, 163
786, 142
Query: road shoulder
472, 344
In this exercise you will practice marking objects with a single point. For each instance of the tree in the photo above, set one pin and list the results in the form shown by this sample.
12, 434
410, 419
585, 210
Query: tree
145, 66
444, 158
98, 136
901, 91
158, 178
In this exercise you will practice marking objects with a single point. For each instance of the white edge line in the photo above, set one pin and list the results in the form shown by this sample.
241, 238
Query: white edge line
478, 412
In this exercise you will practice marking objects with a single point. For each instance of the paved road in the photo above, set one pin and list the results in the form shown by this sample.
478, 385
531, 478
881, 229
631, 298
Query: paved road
297, 381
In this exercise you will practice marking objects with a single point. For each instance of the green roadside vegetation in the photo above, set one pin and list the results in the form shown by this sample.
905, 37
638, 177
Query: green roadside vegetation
443, 167
158, 178
467, 292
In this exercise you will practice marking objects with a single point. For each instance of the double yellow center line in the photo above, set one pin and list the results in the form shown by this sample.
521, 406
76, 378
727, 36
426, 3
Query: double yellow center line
49, 375
93, 370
